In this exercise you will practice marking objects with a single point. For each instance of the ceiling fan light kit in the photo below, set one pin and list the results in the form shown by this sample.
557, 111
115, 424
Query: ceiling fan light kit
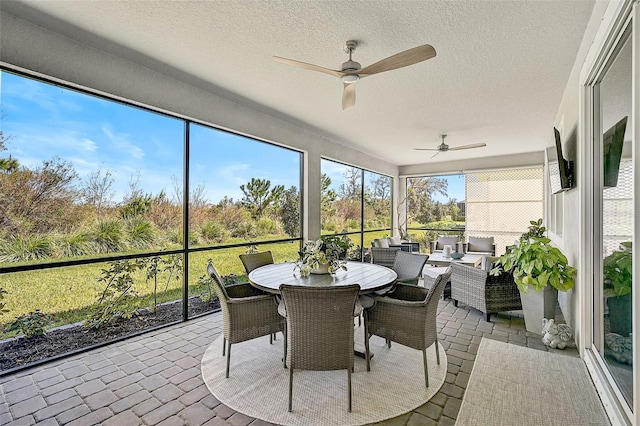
351, 71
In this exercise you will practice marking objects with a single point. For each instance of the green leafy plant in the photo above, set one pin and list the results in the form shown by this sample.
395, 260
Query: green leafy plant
157, 264
617, 270
31, 324
118, 299
327, 250
3, 310
534, 262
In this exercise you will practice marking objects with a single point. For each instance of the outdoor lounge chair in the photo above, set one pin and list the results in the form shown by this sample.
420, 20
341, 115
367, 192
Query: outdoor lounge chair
407, 315
490, 294
445, 240
320, 329
247, 313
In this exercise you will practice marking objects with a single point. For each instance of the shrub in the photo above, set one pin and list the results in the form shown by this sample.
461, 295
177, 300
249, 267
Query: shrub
3, 310
31, 324
213, 231
266, 226
119, 297
140, 232
25, 248
353, 224
108, 236
76, 244
330, 227
245, 229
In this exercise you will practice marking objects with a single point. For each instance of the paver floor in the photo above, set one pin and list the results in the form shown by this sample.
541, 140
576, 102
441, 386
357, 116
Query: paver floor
155, 379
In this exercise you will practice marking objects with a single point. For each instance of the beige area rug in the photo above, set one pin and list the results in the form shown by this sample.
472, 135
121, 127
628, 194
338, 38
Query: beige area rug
513, 385
258, 385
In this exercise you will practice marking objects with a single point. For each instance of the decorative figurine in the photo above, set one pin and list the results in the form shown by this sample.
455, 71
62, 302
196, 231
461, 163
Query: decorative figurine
619, 347
556, 336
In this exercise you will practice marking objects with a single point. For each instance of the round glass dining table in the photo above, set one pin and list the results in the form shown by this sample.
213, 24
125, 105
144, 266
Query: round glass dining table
370, 277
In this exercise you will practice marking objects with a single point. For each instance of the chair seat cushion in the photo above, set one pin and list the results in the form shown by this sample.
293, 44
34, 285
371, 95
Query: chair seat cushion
480, 244
444, 240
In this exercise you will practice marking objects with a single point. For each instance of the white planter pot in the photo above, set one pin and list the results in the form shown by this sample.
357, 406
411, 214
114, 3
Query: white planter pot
537, 305
323, 268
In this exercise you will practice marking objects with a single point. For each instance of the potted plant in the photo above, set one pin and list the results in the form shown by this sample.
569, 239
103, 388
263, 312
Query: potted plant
537, 265
617, 276
326, 255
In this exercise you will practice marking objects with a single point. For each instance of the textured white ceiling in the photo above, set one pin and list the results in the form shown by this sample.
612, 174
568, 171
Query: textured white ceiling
498, 77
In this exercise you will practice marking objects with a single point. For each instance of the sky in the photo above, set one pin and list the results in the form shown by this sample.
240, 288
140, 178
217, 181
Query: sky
143, 147
43, 121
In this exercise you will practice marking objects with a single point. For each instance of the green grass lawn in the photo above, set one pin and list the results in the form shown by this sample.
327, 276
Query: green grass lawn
68, 292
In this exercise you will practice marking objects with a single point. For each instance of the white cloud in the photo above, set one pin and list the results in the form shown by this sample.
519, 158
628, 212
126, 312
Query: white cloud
122, 142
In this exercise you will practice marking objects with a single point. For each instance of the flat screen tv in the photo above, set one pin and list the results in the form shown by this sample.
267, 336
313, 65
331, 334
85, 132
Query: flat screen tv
560, 170
612, 143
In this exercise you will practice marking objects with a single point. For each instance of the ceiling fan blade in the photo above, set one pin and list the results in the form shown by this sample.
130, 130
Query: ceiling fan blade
306, 66
399, 60
436, 154
473, 145
348, 95
426, 149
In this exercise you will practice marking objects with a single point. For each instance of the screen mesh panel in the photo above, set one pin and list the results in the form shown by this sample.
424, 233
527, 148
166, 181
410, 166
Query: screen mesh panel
500, 203
617, 210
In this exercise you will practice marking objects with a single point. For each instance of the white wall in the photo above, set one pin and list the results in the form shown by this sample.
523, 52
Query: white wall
567, 117
26, 46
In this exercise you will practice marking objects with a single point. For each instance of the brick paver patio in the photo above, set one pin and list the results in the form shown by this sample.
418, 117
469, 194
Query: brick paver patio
155, 379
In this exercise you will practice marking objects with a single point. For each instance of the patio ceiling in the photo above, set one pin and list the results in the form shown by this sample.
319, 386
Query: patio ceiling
498, 77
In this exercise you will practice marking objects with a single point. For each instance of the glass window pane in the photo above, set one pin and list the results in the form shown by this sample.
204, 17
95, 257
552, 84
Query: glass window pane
377, 201
95, 302
341, 198
241, 189
613, 330
83, 176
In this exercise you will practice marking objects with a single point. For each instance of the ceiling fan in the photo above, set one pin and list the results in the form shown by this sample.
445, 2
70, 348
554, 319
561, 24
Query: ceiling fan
443, 147
351, 71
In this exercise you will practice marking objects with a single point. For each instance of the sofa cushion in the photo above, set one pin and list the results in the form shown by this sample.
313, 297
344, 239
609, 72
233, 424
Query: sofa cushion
382, 242
480, 244
447, 240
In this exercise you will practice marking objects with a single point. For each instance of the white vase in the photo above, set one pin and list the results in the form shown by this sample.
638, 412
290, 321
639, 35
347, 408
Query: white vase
537, 305
322, 268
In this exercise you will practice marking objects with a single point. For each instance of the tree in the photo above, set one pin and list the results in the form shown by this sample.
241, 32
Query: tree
327, 198
351, 188
378, 195
420, 192
38, 200
259, 196
290, 212
96, 189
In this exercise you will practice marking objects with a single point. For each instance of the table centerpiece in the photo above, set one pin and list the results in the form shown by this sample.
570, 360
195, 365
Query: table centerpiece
325, 255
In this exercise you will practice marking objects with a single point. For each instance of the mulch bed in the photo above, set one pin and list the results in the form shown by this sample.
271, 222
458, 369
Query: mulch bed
22, 351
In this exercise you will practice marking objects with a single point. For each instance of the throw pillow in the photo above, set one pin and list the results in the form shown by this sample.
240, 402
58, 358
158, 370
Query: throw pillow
480, 244
446, 240
395, 241
384, 242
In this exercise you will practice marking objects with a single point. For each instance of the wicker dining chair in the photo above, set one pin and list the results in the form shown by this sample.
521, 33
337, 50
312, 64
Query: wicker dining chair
409, 267
251, 261
320, 329
247, 313
384, 256
407, 316
490, 294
